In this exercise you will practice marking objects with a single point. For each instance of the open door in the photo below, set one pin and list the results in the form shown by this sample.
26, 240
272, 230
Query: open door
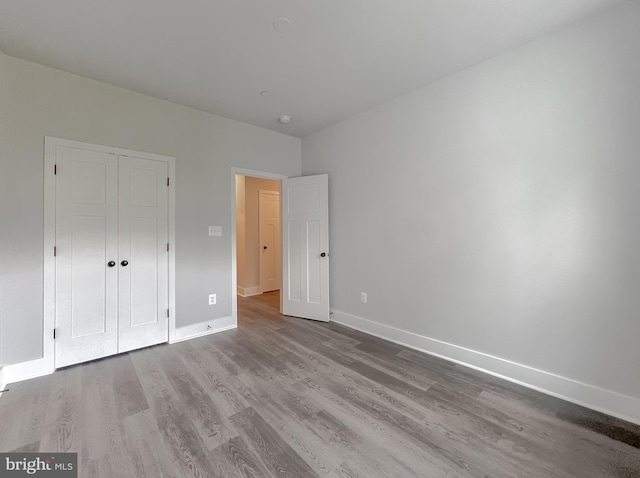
305, 247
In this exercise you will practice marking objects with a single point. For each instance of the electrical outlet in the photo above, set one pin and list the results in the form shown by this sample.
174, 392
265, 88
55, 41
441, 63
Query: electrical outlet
212, 299
363, 297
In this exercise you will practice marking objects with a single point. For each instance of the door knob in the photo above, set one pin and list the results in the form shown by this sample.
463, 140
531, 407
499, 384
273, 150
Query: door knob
111, 263
124, 263
264, 247
323, 254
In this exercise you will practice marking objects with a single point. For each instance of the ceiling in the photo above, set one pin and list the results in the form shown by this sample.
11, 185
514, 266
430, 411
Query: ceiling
339, 58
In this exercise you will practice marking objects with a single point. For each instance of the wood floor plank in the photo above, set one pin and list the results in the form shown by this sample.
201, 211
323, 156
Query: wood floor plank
286, 412
378, 443
127, 389
26, 419
325, 438
387, 363
216, 385
151, 455
198, 404
63, 430
236, 459
189, 451
99, 423
151, 374
276, 454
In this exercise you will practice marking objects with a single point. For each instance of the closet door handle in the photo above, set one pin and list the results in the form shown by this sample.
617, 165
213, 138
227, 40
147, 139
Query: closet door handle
111, 263
124, 263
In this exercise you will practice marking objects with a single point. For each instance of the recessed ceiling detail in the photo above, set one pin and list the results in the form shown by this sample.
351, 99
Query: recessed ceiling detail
282, 25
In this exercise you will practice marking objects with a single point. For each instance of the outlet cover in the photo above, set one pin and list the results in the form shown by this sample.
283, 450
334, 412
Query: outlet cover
212, 299
215, 231
363, 297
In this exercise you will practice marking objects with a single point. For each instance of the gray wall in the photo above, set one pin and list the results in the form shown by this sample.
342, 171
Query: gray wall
497, 209
37, 101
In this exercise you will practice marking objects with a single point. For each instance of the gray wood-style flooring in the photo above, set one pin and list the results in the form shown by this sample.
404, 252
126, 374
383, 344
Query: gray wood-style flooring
287, 397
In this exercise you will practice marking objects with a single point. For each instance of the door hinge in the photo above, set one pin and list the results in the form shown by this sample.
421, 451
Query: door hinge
54, 334
167, 312
55, 169
55, 251
167, 182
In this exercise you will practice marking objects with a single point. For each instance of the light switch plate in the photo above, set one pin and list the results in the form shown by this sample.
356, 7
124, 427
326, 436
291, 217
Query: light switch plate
215, 230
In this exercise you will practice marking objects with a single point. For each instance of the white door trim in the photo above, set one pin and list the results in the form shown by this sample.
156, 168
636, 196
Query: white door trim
234, 258
50, 144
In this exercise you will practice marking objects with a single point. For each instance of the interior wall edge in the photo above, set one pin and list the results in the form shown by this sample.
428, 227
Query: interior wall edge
596, 398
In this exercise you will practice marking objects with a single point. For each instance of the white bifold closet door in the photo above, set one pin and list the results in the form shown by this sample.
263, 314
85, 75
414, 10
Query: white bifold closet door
111, 254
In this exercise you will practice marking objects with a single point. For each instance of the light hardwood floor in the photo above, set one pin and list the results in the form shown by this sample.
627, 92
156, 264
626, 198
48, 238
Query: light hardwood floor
287, 397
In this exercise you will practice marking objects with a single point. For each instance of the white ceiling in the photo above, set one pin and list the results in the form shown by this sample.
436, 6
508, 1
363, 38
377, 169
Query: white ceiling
341, 57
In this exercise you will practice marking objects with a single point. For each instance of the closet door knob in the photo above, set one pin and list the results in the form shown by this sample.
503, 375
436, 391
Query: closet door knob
124, 263
111, 263
323, 254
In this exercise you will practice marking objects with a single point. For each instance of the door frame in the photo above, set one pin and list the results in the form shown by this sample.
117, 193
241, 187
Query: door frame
49, 285
234, 253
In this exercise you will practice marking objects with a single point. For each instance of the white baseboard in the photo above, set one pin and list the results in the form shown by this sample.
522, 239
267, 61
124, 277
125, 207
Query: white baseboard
25, 370
590, 396
249, 291
202, 328
36, 368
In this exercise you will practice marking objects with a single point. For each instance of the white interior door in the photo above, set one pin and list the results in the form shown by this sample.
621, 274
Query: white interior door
305, 246
143, 260
269, 232
86, 243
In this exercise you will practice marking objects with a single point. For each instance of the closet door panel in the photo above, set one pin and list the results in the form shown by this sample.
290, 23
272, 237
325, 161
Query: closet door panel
143, 267
86, 240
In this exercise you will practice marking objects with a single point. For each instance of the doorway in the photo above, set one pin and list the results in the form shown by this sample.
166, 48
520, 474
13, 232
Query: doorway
304, 226
258, 242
